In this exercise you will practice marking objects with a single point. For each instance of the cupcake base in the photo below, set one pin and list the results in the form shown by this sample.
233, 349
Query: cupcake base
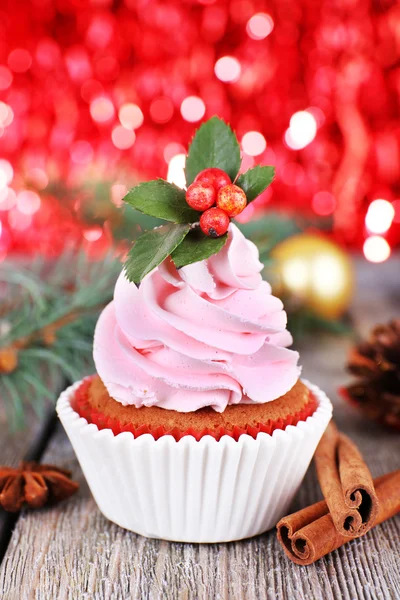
93, 402
194, 491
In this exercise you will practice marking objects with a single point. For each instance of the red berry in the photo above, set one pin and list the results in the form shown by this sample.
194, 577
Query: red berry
201, 196
214, 222
217, 177
232, 200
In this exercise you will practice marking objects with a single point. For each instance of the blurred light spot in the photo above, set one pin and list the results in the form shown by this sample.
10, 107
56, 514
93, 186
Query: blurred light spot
5, 77
47, 53
193, 109
253, 143
102, 109
6, 114
259, 26
227, 69
19, 220
171, 150
6, 173
176, 170
323, 203
376, 249
379, 216
130, 116
19, 60
8, 198
328, 278
161, 110
81, 152
78, 63
118, 191
302, 130
100, 30
93, 234
123, 138
28, 202
295, 275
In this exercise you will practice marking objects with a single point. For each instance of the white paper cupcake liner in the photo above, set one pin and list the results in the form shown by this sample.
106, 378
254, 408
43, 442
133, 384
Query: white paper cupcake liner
194, 491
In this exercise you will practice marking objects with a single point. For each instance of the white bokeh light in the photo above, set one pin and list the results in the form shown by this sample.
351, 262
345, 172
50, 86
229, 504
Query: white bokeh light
130, 116
6, 173
8, 198
28, 202
295, 275
328, 276
253, 143
123, 138
102, 109
6, 114
227, 69
379, 216
93, 234
302, 130
118, 191
259, 26
376, 249
176, 170
193, 109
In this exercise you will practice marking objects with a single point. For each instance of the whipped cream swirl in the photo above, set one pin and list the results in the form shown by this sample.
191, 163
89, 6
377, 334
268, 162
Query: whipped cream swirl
208, 334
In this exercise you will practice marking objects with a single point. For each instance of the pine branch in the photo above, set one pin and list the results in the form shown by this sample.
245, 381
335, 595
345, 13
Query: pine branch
47, 323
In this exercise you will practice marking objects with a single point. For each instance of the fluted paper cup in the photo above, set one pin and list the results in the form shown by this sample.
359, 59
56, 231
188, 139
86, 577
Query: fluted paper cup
194, 491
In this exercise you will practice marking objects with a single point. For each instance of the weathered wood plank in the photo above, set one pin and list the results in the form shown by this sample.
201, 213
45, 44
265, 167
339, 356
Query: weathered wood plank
73, 552
17, 446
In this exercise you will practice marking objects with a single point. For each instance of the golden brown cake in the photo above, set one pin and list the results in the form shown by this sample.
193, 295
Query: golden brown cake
94, 403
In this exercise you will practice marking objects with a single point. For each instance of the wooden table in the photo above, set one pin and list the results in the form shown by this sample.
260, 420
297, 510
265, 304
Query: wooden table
73, 552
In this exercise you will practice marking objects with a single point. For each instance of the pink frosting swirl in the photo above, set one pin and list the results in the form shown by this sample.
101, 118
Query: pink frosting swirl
209, 334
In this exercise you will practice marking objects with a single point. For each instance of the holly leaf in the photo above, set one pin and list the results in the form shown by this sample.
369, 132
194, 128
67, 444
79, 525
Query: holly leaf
161, 199
197, 246
214, 145
152, 248
255, 181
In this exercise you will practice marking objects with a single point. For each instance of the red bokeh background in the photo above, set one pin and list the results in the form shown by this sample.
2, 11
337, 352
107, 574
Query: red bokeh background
106, 92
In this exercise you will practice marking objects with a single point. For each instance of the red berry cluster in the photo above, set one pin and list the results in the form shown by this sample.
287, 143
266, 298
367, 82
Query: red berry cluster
214, 187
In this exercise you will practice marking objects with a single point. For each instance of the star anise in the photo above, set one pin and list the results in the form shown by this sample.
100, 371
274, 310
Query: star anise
34, 485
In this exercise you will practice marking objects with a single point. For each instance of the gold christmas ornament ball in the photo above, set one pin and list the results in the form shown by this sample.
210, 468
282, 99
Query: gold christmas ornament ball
315, 272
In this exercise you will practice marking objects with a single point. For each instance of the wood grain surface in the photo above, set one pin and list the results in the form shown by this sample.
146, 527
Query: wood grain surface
16, 446
73, 552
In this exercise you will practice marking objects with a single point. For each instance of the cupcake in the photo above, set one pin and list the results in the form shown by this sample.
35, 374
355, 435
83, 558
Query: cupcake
196, 426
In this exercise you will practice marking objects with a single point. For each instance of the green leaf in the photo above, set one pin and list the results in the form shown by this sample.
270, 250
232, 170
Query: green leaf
197, 246
161, 199
255, 181
214, 145
152, 248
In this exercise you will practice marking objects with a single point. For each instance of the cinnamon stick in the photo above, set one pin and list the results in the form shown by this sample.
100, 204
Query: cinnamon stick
310, 533
346, 483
